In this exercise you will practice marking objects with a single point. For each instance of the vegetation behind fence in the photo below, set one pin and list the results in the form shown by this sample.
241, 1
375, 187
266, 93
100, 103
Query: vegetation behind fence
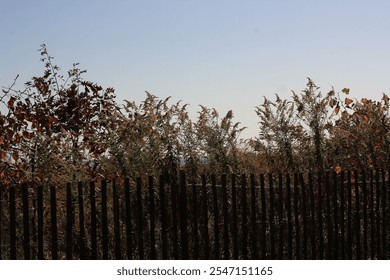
333, 215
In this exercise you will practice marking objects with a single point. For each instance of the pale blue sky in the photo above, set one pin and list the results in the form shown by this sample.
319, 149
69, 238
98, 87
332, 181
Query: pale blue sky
223, 54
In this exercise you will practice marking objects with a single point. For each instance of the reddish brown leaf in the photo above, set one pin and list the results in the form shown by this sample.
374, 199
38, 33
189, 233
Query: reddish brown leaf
15, 155
348, 101
11, 102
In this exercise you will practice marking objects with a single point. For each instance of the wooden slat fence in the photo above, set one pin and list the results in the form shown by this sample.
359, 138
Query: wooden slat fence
282, 216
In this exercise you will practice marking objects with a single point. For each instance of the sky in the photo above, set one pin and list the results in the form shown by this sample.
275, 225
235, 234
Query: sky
223, 54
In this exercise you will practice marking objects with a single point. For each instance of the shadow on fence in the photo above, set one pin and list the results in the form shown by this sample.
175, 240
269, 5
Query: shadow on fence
287, 216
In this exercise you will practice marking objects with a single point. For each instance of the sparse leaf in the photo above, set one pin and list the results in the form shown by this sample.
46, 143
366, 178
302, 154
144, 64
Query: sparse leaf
348, 101
337, 109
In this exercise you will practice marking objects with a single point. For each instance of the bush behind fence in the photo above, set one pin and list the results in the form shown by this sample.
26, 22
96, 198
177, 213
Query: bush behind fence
284, 216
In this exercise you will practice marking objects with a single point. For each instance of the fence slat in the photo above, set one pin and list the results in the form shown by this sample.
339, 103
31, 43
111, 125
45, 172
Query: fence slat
377, 214
280, 217
387, 217
164, 222
371, 211
92, 198
69, 222
183, 216
152, 229
140, 220
313, 226
304, 215
205, 214
336, 222
129, 227
357, 216
117, 231
264, 251
296, 218
385, 221
174, 201
320, 218
244, 217
329, 251
26, 222
1, 221
376, 229
226, 250
349, 222
254, 247
82, 245
365, 222
383, 217
53, 225
12, 222
289, 219
342, 215
234, 217
271, 216
194, 220
105, 238
215, 218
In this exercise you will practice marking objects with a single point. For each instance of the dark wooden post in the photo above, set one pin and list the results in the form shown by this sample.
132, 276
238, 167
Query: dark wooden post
69, 222
244, 215
205, 214
195, 221
117, 232
304, 215
53, 214
81, 221
26, 223
280, 218
377, 215
92, 197
175, 235
254, 247
320, 219
336, 248
152, 215
105, 238
342, 215
384, 246
263, 243
12, 222
296, 219
365, 222
385, 236
225, 219
372, 216
1, 220
234, 217
329, 217
140, 220
164, 222
129, 227
289, 218
216, 218
349, 222
183, 216
357, 216
313, 226
271, 215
